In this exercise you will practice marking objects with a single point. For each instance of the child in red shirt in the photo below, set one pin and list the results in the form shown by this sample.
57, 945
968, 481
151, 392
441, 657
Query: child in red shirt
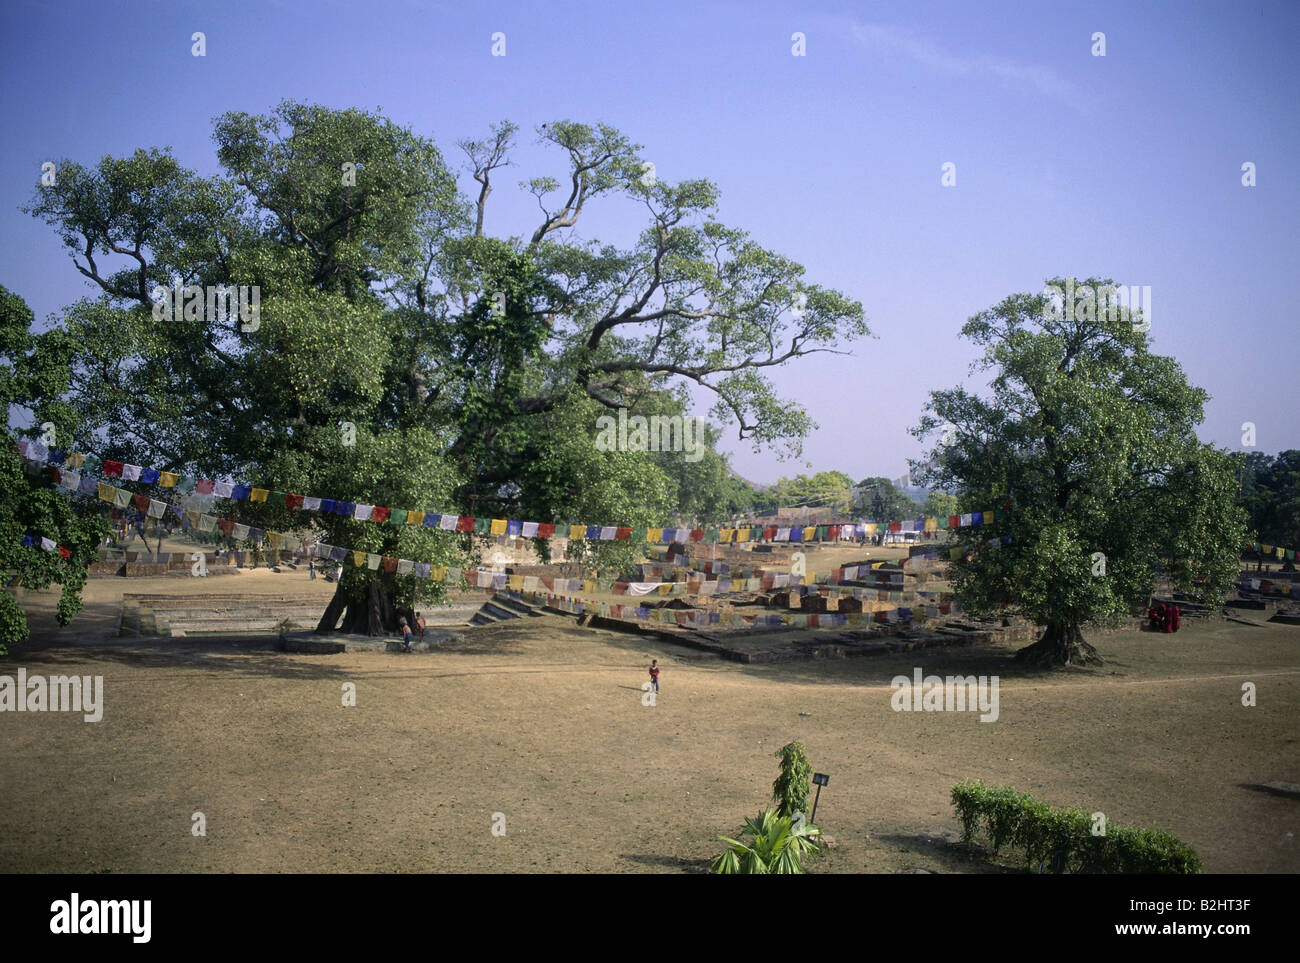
654, 673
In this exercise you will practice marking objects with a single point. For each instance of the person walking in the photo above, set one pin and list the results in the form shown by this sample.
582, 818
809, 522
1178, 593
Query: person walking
311, 568
654, 674
419, 624
405, 628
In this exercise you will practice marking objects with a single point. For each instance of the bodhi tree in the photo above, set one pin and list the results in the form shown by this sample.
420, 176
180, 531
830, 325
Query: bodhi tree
1084, 449
401, 355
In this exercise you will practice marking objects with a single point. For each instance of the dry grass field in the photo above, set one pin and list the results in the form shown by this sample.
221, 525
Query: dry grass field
542, 721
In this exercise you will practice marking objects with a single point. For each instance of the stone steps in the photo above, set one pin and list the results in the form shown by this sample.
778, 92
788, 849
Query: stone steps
501, 608
180, 616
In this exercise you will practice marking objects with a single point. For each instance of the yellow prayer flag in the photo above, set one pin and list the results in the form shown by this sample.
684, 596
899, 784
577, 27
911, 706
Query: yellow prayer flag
106, 492
415, 518
515, 582
498, 526
359, 558
931, 524
168, 479
274, 539
871, 528
438, 572
988, 518
654, 535
257, 495
577, 531
742, 534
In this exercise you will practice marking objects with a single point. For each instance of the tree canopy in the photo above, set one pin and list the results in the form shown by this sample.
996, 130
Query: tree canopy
1086, 445
883, 501
1270, 494
831, 489
391, 351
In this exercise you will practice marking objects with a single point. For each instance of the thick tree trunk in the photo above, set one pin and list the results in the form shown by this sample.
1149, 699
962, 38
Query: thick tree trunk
1061, 644
338, 604
375, 615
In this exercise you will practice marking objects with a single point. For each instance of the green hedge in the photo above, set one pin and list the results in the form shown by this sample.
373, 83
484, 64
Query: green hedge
1062, 839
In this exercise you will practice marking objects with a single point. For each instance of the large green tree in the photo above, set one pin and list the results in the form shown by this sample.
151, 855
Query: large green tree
831, 489
404, 356
33, 375
1085, 448
881, 500
1269, 491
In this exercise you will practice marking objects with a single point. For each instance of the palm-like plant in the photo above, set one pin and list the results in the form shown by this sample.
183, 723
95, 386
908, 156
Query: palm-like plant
779, 845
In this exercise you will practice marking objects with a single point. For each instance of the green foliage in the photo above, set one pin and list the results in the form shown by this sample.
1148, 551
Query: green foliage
1062, 839
791, 790
1270, 494
33, 374
833, 489
1085, 445
882, 501
940, 505
472, 367
777, 845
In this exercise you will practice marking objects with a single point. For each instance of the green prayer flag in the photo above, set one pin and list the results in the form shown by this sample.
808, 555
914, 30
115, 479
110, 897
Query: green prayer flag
397, 516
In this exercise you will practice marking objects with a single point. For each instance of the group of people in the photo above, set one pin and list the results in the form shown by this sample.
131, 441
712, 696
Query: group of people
411, 634
1164, 618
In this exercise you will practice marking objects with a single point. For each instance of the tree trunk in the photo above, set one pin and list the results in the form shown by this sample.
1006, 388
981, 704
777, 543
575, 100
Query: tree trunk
374, 615
1061, 644
330, 619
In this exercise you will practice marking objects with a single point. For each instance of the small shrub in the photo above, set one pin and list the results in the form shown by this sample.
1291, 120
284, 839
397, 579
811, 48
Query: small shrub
1062, 839
968, 800
1002, 815
790, 791
777, 846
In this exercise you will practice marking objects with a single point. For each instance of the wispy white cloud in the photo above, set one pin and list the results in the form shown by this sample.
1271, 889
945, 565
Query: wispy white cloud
895, 41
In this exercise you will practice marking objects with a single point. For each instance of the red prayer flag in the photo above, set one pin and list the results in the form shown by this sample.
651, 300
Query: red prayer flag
954, 521
227, 525
64, 553
380, 514
113, 469
545, 530
388, 564
293, 501
141, 502
769, 533
465, 524
895, 526
834, 532
697, 534
204, 486
623, 535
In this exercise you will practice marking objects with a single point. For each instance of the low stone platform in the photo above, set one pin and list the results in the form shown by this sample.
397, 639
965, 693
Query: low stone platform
330, 643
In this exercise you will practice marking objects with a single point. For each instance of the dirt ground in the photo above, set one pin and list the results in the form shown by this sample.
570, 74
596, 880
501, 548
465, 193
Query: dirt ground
542, 721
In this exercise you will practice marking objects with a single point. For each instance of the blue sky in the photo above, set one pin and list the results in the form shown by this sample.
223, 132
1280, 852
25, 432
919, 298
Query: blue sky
1127, 165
